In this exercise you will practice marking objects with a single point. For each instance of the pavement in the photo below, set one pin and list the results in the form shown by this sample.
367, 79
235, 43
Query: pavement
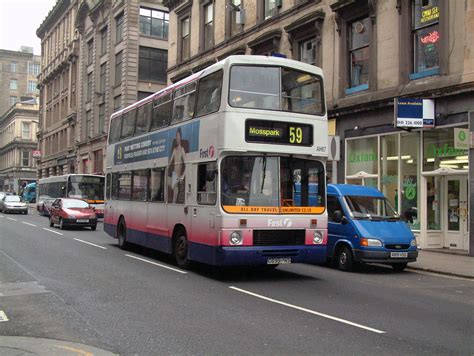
444, 263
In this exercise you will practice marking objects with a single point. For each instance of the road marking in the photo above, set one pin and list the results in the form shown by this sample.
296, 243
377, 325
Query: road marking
77, 351
3, 316
55, 232
157, 264
12, 219
27, 223
309, 311
439, 275
90, 243
1, 216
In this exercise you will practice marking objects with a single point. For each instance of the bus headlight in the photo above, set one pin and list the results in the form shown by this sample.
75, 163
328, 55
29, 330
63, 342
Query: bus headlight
235, 238
318, 237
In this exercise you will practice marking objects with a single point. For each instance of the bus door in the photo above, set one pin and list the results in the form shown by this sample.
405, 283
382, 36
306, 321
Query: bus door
157, 231
204, 210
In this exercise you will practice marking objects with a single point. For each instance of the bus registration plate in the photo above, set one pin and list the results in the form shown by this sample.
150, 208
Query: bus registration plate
278, 260
399, 254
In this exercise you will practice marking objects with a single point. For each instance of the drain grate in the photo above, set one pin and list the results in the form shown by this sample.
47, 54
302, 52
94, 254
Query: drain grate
3, 316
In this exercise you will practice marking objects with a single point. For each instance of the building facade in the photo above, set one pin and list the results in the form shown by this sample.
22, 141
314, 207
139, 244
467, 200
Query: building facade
18, 127
372, 53
123, 57
58, 90
18, 77
118, 55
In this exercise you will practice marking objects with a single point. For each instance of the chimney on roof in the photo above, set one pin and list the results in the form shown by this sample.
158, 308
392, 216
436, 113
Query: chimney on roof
26, 49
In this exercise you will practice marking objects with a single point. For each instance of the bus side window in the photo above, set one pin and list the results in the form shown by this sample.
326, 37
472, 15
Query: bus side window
108, 181
140, 185
115, 186
207, 183
183, 104
209, 94
115, 127
157, 184
161, 112
128, 124
125, 185
143, 119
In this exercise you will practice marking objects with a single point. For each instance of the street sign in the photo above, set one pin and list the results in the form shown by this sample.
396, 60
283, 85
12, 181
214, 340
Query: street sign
36, 154
414, 113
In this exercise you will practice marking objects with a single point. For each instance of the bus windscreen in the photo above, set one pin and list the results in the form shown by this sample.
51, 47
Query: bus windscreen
86, 187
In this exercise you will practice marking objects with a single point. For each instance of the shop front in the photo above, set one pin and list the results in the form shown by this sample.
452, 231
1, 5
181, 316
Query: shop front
424, 174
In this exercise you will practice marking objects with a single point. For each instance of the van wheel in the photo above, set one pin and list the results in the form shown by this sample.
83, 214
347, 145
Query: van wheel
122, 235
180, 249
399, 267
345, 260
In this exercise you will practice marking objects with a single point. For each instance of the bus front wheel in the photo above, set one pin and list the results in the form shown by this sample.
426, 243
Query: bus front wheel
122, 235
180, 249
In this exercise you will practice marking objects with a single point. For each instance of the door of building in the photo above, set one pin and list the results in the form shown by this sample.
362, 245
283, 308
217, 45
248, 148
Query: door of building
455, 211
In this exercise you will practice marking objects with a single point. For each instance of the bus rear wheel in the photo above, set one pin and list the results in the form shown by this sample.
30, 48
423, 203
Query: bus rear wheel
122, 235
180, 249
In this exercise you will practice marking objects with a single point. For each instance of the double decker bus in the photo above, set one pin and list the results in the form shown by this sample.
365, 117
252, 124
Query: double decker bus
88, 187
225, 167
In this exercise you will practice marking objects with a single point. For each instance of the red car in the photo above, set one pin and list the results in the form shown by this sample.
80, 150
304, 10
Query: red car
72, 212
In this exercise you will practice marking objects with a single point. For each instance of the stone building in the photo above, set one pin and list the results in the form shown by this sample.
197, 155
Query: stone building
18, 127
58, 90
100, 56
372, 53
18, 72
123, 57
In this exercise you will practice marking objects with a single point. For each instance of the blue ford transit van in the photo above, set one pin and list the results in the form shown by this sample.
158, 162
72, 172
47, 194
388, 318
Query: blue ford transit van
363, 227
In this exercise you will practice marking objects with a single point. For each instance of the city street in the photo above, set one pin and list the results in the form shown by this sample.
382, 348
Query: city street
78, 286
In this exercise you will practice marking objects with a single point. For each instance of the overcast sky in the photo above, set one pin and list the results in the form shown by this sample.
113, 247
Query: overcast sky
19, 20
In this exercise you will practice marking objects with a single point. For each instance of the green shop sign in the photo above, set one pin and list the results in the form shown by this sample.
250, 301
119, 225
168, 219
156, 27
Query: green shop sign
356, 157
444, 151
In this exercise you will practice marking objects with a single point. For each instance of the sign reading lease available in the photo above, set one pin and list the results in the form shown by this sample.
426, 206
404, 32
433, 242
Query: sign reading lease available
414, 113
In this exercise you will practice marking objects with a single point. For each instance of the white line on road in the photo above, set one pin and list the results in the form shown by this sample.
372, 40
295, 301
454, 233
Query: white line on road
27, 223
439, 275
12, 219
90, 243
309, 311
55, 232
157, 264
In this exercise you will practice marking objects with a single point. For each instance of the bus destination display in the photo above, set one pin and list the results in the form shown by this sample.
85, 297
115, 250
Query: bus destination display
277, 132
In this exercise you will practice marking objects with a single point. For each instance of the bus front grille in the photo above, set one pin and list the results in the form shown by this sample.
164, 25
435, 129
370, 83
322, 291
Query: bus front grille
278, 237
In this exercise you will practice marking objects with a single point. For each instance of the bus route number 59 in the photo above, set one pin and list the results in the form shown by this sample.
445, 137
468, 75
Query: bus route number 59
296, 134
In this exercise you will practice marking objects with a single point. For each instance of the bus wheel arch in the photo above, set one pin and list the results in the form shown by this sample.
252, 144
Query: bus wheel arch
122, 233
180, 246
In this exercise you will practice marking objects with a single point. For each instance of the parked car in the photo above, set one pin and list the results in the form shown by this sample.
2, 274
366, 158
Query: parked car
72, 212
364, 228
13, 204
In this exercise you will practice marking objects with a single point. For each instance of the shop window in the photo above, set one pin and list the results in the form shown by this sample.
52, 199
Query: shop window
410, 177
439, 149
389, 160
361, 156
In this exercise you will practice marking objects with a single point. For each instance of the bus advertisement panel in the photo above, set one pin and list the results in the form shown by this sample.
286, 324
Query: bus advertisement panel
226, 167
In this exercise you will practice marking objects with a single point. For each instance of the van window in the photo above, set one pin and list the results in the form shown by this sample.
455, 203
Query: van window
333, 205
